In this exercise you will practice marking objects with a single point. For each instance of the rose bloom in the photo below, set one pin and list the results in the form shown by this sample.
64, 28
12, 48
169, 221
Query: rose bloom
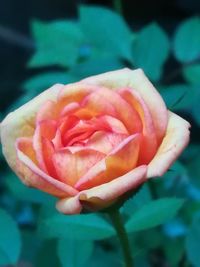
90, 142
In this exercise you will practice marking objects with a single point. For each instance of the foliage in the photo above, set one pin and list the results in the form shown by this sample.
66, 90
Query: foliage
67, 51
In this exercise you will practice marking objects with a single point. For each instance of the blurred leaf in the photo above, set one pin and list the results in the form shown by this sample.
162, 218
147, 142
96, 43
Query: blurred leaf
47, 256
142, 197
194, 170
57, 43
10, 241
104, 257
106, 31
153, 214
95, 66
142, 260
174, 250
24, 193
31, 245
193, 241
87, 227
187, 40
150, 50
43, 81
192, 73
74, 253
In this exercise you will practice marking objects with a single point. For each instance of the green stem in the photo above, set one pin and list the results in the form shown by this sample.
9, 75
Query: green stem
117, 4
117, 222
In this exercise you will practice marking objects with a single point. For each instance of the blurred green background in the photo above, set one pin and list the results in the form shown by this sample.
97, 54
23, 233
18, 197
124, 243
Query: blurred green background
49, 41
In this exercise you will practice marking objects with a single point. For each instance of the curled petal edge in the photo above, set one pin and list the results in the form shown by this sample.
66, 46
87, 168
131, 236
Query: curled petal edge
176, 139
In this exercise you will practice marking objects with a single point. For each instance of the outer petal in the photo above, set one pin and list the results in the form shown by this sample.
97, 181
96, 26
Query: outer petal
149, 141
34, 176
21, 123
102, 196
175, 140
74, 93
136, 80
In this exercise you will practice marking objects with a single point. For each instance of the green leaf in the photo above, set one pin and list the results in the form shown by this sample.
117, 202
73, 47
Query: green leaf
192, 74
43, 81
87, 227
106, 31
10, 241
193, 241
95, 66
57, 43
74, 253
153, 214
187, 40
150, 50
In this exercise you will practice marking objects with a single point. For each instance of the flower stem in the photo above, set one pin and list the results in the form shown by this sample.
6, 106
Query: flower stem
117, 222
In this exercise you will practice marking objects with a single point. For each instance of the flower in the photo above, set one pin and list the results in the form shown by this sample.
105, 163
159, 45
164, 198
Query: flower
90, 142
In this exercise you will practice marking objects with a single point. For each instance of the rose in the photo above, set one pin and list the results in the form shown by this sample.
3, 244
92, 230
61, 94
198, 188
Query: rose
90, 142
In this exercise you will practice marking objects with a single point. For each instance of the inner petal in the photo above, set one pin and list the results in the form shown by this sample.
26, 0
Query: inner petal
108, 102
105, 142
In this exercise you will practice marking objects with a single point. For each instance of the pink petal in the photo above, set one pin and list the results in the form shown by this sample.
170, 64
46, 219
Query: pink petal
33, 176
103, 195
105, 142
121, 160
71, 166
70, 108
149, 142
137, 80
175, 140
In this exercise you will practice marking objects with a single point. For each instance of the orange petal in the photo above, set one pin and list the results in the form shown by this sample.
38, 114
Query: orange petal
175, 140
103, 195
148, 142
124, 157
34, 176
121, 160
136, 80
71, 166
25, 144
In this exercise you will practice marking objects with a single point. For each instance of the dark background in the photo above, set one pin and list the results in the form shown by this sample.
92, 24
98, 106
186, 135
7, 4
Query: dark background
16, 45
